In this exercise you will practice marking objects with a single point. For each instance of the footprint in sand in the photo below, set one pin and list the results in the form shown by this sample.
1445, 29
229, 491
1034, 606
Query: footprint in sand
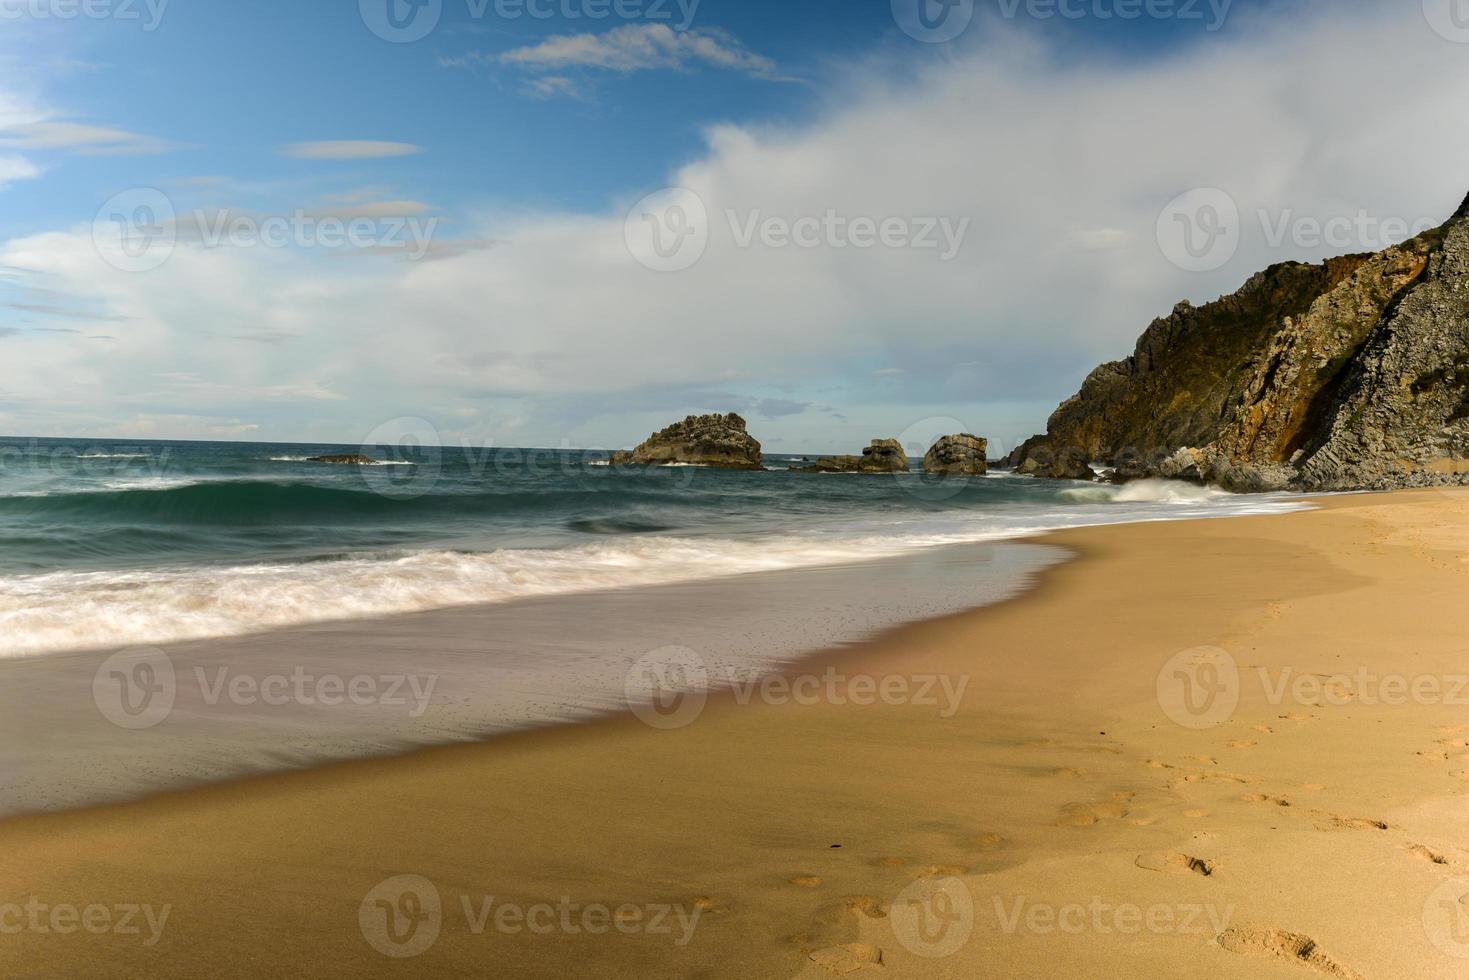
1206, 760
940, 871
806, 881
711, 906
1087, 814
1263, 729
1206, 777
986, 841
1175, 863
1297, 716
864, 905
1280, 944
1242, 743
1262, 798
1195, 814
1334, 822
1425, 853
848, 958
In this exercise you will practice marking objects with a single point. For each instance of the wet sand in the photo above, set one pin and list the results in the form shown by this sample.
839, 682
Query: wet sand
1096, 803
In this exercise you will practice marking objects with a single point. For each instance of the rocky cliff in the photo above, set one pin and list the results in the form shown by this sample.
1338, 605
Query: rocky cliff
701, 440
1349, 374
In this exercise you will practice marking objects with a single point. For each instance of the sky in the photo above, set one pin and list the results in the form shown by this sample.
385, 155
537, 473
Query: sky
569, 222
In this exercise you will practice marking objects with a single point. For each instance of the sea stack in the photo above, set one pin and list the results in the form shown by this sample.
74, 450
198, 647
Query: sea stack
719, 441
882, 456
958, 455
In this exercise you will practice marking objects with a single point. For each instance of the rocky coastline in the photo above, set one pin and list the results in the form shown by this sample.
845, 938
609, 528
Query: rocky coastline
1348, 375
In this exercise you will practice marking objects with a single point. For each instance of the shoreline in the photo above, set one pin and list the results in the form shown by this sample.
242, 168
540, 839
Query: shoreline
278, 700
1059, 780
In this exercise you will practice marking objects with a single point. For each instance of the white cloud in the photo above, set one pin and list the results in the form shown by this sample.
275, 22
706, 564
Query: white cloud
349, 150
639, 47
13, 168
561, 329
555, 87
81, 138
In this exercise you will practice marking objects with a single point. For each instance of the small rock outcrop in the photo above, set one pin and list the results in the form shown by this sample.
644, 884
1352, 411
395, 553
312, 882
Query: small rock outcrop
348, 459
1068, 464
719, 441
959, 455
883, 456
1351, 374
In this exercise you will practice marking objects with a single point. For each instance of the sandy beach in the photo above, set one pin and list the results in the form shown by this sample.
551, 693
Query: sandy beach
1215, 748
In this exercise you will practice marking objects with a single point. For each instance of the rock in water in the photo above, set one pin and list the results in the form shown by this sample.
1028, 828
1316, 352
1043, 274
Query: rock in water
701, 440
353, 459
1351, 374
961, 455
883, 456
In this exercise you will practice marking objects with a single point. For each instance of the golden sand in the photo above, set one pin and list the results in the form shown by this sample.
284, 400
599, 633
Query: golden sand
1097, 804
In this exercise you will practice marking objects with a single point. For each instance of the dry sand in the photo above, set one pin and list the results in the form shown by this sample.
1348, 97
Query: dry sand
1059, 823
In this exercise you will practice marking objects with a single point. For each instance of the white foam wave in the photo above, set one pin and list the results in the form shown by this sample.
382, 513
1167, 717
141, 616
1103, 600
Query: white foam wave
1145, 491
113, 456
106, 609
375, 462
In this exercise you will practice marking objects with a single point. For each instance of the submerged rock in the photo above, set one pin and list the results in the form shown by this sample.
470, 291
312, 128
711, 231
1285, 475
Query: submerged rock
700, 440
883, 456
348, 459
1350, 374
957, 455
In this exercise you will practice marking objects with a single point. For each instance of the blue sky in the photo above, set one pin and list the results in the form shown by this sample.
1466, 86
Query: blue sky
1047, 146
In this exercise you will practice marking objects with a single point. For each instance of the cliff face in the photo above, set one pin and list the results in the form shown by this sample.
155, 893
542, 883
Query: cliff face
1348, 374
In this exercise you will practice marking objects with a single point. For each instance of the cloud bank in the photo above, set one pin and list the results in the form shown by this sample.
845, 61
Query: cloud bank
560, 335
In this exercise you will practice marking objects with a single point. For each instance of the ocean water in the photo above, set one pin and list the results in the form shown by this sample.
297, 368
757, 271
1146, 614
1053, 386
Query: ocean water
113, 543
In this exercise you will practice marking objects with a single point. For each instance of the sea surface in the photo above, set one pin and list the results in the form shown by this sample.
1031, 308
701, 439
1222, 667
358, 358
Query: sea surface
110, 543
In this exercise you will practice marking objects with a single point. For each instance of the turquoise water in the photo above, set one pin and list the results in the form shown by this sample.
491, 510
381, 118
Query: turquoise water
114, 542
